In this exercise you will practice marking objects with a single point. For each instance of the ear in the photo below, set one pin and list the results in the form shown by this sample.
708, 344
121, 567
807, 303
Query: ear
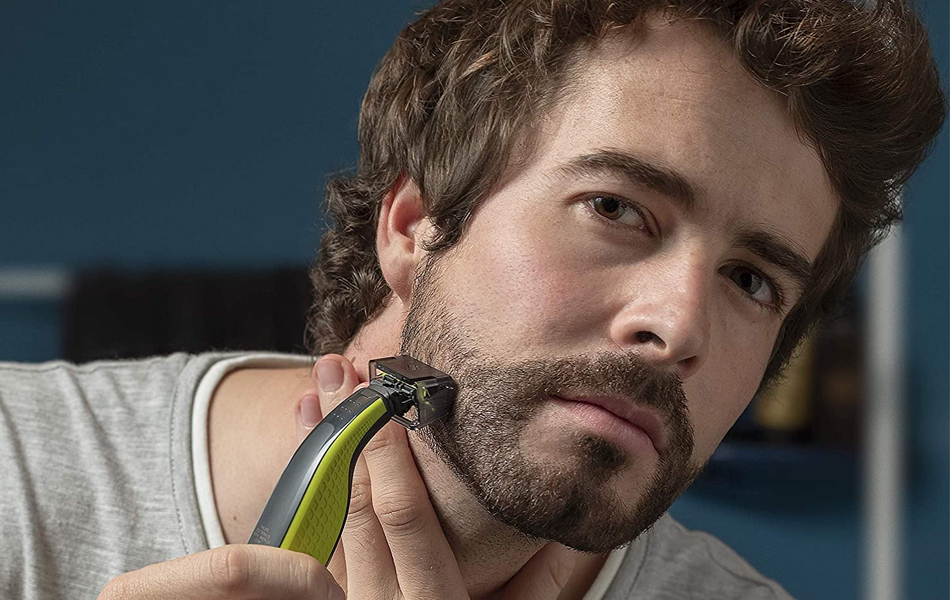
402, 225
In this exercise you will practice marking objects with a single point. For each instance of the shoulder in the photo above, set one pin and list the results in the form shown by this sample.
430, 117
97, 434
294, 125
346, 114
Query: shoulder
53, 400
95, 460
118, 380
681, 563
33, 376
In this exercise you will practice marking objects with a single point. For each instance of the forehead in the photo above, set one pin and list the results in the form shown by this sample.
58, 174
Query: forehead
676, 95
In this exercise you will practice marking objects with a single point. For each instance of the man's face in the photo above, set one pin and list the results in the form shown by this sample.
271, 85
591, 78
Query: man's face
643, 259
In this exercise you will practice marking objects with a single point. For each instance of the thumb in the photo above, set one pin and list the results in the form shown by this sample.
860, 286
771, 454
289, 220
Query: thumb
336, 379
543, 577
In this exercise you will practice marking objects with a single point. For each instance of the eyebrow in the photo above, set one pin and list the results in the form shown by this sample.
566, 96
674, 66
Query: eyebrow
674, 185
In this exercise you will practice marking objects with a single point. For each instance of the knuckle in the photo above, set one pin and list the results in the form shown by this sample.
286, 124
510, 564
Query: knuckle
379, 443
399, 515
560, 571
229, 568
361, 499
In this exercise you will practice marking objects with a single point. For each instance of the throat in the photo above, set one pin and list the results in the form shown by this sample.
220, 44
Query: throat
489, 553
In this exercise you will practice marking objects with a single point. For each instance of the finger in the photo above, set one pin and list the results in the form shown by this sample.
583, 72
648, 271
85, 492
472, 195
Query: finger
425, 564
370, 571
309, 414
363, 539
543, 577
335, 379
234, 572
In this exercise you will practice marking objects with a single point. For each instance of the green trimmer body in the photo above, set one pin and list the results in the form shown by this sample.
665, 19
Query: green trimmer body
308, 507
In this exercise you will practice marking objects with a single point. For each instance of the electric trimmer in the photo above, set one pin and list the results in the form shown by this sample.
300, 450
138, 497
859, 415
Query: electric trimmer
308, 507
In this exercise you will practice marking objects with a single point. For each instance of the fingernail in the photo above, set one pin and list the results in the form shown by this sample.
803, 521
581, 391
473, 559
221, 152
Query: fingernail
336, 593
310, 413
330, 374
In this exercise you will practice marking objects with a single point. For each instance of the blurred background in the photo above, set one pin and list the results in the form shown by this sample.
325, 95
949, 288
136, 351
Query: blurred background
161, 169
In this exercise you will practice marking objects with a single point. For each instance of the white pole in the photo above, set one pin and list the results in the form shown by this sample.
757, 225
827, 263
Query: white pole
30, 284
884, 449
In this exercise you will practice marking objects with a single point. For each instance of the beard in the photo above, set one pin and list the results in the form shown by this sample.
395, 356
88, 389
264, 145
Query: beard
568, 499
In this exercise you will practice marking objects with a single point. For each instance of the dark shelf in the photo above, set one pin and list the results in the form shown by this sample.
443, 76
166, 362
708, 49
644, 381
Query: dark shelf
743, 466
766, 456
765, 477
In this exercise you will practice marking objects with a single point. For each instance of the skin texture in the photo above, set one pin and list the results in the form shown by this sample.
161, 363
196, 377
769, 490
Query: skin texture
590, 268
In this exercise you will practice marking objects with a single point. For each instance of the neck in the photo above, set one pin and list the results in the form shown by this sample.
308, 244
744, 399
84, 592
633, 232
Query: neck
259, 405
489, 553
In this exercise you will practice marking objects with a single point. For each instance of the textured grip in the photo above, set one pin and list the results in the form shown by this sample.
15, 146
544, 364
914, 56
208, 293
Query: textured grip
318, 522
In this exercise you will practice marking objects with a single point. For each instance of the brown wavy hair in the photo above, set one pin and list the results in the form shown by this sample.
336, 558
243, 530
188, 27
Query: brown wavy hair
460, 87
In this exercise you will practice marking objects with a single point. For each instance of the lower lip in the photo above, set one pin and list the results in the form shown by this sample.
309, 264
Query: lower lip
605, 424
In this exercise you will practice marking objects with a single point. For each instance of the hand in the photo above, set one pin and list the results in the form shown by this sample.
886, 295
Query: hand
235, 572
402, 551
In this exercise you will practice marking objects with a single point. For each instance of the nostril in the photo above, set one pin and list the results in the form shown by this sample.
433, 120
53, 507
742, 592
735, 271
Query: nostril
646, 336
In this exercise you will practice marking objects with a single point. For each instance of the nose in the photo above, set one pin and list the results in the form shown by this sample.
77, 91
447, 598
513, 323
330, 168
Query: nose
666, 320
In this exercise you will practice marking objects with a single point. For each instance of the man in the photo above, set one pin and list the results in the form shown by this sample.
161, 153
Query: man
610, 222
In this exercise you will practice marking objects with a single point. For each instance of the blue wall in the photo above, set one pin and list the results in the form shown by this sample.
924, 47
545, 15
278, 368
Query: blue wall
170, 133
927, 532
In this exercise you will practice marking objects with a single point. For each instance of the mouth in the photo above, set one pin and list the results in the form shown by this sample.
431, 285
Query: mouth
646, 421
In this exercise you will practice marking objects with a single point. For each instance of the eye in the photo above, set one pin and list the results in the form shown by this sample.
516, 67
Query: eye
757, 286
615, 209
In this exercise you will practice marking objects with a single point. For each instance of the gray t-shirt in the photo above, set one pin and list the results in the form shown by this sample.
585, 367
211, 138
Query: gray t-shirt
98, 477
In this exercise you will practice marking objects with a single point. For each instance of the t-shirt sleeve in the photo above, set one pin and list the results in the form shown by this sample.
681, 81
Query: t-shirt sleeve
85, 474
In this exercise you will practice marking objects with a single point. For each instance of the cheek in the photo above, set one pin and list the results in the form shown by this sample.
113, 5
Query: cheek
718, 398
520, 290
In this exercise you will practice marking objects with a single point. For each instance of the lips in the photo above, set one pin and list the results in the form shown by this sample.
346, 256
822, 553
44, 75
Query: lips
627, 410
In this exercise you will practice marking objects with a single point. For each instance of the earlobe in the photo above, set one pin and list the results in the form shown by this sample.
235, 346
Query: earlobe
398, 235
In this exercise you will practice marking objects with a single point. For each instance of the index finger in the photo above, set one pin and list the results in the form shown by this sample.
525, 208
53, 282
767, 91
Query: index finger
425, 564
